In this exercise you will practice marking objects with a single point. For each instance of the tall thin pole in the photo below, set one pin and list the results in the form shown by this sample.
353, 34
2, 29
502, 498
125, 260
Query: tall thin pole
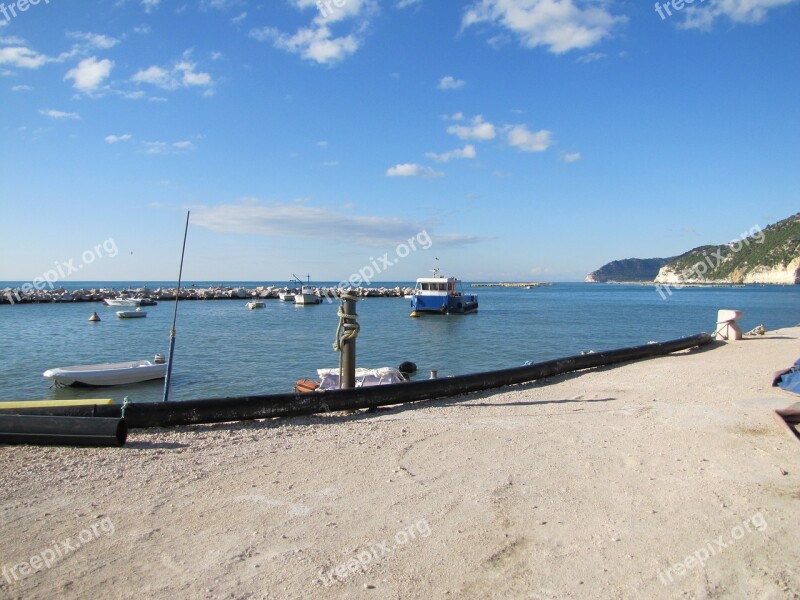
175, 314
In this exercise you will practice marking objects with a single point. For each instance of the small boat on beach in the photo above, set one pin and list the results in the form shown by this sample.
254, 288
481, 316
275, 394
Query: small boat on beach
253, 304
120, 373
131, 314
329, 379
442, 296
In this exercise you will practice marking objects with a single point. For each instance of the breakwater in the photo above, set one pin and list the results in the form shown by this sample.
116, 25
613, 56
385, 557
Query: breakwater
218, 292
512, 284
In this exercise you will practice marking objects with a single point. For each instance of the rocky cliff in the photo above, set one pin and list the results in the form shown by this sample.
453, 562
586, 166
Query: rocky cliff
771, 255
629, 269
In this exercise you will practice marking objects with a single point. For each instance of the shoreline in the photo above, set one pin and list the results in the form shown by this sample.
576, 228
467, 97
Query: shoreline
614, 482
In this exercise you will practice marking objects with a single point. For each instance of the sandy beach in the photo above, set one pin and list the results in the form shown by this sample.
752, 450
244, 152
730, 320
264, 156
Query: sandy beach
664, 478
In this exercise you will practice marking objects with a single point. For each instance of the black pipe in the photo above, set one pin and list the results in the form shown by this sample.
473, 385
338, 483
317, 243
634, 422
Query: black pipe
62, 431
218, 410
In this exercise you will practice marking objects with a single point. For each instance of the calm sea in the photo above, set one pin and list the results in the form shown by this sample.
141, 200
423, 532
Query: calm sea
223, 349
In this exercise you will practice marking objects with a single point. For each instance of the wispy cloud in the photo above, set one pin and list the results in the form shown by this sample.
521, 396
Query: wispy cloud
571, 157
559, 26
750, 12
412, 170
182, 74
467, 151
317, 42
21, 88
113, 139
94, 40
451, 83
160, 147
478, 130
59, 114
150, 5
276, 219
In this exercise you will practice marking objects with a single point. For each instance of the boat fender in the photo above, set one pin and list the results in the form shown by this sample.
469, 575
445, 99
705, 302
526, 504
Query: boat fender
407, 367
444, 309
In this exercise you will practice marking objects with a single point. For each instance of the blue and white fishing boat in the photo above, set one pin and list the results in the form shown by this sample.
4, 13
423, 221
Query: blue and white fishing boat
442, 296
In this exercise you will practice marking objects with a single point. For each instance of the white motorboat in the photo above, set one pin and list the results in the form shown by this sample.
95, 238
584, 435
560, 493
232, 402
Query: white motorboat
286, 296
122, 302
134, 371
131, 314
253, 304
307, 295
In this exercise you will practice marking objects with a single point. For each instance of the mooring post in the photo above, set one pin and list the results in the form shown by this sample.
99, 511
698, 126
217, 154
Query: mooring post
348, 380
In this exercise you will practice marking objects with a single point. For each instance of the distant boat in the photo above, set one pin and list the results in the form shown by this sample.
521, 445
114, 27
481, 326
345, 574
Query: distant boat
441, 295
253, 304
286, 296
122, 302
134, 371
308, 294
131, 314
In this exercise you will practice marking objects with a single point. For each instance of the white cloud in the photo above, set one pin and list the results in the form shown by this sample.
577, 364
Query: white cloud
459, 116
479, 130
276, 219
467, 151
590, 57
412, 170
58, 114
558, 25
237, 20
331, 163
181, 74
160, 147
142, 29
451, 83
22, 57
317, 42
113, 139
521, 137
401, 4
94, 40
90, 73
571, 157
150, 5
21, 88
737, 11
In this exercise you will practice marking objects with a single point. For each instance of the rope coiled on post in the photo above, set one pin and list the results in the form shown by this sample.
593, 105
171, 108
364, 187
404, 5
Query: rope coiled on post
348, 327
346, 330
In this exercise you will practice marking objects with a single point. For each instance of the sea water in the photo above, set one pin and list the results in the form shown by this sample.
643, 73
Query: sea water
223, 349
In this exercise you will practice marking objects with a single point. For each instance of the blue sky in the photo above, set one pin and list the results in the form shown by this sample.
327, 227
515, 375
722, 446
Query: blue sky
530, 139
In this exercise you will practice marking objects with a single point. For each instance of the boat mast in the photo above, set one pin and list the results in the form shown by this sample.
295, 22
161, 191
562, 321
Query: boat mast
175, 315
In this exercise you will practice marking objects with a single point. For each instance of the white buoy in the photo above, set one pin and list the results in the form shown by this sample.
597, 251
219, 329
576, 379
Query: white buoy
94, 318
434, 374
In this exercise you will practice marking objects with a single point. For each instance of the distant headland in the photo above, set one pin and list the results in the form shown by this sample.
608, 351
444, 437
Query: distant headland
760, 256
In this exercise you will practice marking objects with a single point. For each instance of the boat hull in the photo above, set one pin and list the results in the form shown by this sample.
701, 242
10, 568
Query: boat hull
304, 299
121, 373
444, 305
122, 302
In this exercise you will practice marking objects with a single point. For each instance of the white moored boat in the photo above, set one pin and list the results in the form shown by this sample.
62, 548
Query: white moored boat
122, 302
307, 295
253, 304
133, 371
131, 314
